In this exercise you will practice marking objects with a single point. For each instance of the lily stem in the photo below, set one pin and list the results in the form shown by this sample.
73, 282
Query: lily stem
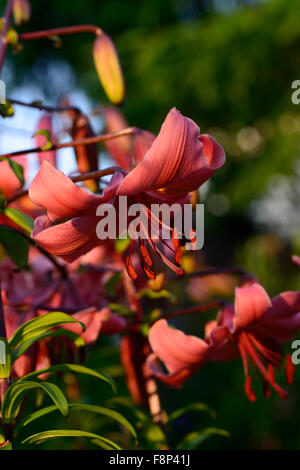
43, 107
83, 28
73, 143
196, 309
83, 177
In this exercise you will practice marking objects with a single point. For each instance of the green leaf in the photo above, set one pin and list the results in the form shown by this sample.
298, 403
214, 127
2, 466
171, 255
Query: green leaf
48, 144
191, 407
18, 170
17, 391
77, 339
76, 368
95, 438
21, 219
15, 245
5, 359
126, 403
81, 407
194, 439
29, 330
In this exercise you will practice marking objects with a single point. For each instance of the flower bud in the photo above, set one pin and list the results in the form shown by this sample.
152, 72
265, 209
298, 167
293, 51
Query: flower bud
21, 11
108, 68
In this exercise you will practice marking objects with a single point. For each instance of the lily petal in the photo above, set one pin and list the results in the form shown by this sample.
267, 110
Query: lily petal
176, 161
70, 239
174, 348
61, 198
251, 302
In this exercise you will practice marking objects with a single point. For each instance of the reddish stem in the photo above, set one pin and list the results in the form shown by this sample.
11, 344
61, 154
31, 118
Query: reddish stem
84, 28
42, 107
212, 271
74, 143
83, 177
196, 309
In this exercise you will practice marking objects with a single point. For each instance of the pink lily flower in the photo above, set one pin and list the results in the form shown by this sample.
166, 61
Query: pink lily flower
183, 355
256, 325
178, 161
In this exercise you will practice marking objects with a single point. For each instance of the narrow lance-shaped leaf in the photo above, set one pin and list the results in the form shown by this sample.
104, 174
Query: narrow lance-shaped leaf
115, 415
191, 407
55, 433
77, 340
17, 391
194, 439
23, 220
38, 325
15, 245
76, 368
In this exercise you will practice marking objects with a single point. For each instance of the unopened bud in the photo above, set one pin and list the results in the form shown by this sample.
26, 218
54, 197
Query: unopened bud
21, 11
108, 68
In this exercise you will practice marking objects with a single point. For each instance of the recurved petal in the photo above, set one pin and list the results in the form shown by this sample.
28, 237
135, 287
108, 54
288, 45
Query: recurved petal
176, 161
111, 323
96, 322
61, 198
251, 303
282, 320
70, 239
281, 328
92, 320
175, 380
285, 304
176, 349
